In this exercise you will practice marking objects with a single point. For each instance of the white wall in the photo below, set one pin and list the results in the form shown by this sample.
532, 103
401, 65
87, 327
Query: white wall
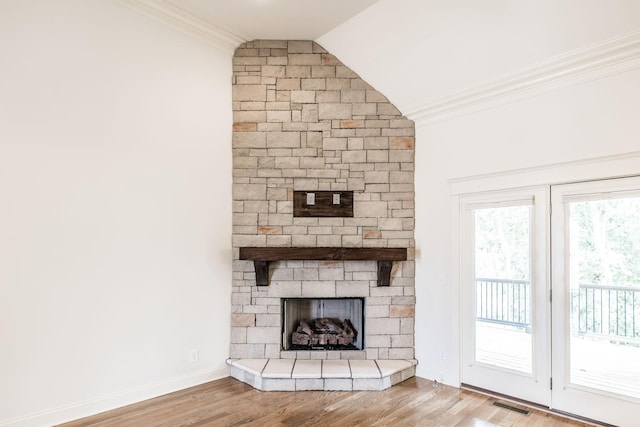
591, 120
115, 209
415, 51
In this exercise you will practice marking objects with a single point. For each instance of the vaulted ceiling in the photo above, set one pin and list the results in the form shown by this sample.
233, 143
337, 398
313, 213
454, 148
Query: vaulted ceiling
274, 19
433, 58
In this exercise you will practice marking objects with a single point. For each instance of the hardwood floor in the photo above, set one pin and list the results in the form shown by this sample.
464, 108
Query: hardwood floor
228, 402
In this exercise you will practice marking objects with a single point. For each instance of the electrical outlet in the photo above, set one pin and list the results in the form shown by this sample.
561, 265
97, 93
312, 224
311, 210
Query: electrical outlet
193, 355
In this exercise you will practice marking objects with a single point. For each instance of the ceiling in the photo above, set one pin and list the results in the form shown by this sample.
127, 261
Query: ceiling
274, 19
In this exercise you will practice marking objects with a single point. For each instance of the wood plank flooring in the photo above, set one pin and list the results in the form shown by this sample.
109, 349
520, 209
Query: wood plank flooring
228, 402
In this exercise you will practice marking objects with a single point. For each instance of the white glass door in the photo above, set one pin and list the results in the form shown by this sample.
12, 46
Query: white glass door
505, 293
596, 300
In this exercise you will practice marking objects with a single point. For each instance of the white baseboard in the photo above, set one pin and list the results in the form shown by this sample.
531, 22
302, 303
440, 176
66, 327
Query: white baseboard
89, 407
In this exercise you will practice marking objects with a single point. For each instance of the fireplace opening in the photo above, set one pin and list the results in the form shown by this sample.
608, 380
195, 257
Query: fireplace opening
322, 323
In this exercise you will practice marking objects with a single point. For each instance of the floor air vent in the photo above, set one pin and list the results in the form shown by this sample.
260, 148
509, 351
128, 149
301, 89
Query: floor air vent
511, 408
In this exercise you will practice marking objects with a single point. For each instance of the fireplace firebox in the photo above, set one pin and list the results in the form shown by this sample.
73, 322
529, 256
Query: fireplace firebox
323, 324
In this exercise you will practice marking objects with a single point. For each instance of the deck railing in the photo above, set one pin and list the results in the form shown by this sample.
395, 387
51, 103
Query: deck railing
607, 311
503, 301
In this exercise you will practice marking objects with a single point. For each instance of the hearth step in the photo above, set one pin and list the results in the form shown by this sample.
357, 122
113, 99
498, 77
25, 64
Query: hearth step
304, 374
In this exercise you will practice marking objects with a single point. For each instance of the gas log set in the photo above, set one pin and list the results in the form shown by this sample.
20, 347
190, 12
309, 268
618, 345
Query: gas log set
324, 334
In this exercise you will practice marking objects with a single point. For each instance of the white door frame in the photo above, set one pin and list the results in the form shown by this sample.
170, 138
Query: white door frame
607, 167
534, 386
568, 397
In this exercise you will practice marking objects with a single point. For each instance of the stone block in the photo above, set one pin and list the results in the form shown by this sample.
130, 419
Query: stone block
329, 111
304, 59
318, 71
246, 351
319, 288
243, 319
280, 273
273, 70
303, 71
305, 240
249, 139
288, 84
299, 46
372, 384
278, 384
238, 335
398, 132
376, 143
401, 143
407, 326
249, 61
349, 95
402, 341
277, 106
303, 96
310, 114
278, 116
397, 177
249, 191
309, 384
331, 274
338, 384
268, 320
245, 219
374, 177
387, 109
406, 353
381, 326
378, 156
334, 144
279, 241
365, 109
353, 241
378, 340
272, 351
352, 289
328, 59
239, 240
375, 96
338, 84
284, 289
402, 311
270, 44
345, 72
313, 84
402, 156
245, 127
377, 311
355, 156
328, 97
283, 139
263, 335
249, 93
372, 209
304, 274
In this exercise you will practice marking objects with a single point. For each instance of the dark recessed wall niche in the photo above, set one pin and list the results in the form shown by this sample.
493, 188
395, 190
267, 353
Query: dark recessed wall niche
323, 204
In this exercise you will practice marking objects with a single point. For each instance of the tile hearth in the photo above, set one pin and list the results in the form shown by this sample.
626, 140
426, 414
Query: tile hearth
302, 374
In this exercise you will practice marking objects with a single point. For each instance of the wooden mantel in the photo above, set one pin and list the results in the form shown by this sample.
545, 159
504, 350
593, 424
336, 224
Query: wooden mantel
262, 256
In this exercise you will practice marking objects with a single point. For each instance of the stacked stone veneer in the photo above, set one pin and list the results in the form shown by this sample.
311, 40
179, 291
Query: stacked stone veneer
303, 121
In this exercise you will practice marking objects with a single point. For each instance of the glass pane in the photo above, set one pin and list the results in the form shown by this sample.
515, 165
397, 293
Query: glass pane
605, 294
503, 287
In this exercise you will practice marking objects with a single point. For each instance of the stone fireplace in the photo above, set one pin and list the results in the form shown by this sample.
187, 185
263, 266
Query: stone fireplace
322, 324
305, 124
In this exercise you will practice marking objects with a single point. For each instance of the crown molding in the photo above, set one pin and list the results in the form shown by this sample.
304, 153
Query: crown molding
184, 21
606, 58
